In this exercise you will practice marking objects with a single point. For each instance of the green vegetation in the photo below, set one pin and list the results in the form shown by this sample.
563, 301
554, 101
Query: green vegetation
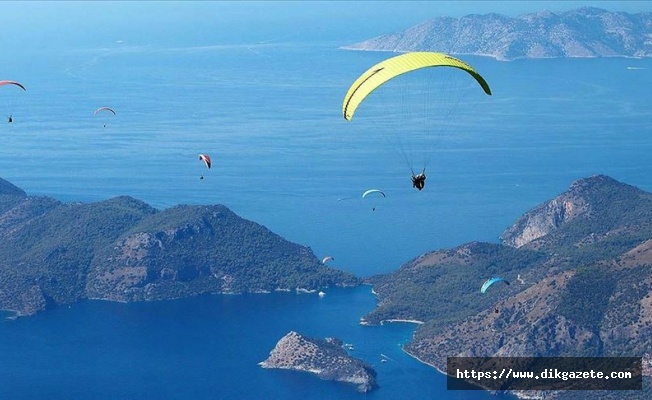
580, 295
123, 249
450, 290
52, 248
586, 298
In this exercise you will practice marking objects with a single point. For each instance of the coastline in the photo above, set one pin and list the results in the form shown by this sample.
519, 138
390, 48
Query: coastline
495, 57
15, 314
423, 362
514, 394
409, 321
12, 315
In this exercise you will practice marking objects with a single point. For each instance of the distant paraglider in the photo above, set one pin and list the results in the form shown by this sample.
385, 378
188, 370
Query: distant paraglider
206, 159
374, 192
327, 259
490, 282
107, 109
10, 117
2, 83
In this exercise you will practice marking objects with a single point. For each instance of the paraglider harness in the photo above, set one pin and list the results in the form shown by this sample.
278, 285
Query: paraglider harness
419, 181
10, 119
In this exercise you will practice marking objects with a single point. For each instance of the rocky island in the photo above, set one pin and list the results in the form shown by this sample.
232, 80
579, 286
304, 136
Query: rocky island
122, 249
325, 358
580, 267
584, 32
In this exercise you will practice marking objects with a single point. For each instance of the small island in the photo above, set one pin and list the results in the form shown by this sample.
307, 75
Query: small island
325, 358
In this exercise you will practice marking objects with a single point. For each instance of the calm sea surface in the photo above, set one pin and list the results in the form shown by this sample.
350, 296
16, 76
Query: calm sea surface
269, 116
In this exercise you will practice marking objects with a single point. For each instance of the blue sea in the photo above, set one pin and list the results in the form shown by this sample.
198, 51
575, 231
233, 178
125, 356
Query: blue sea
269, 115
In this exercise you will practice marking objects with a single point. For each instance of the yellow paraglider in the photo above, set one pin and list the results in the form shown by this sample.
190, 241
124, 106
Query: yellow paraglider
419, 107
382, 72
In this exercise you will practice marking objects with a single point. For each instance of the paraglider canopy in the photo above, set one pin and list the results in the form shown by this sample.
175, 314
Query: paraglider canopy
10, 102
206, 159
490, 282
372, 191
12, 83
326, 259
104, 109
386, 70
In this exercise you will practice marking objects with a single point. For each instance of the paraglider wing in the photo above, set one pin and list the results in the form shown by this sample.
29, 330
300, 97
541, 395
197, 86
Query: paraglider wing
382, 72
206, 159
104, 109
12, 83
326, 259
370, 191
490, 282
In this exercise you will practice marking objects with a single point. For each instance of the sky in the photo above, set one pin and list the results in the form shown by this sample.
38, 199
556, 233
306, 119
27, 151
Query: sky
42, 25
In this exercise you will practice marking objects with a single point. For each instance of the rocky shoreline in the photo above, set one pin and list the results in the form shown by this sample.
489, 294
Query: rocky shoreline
325, 358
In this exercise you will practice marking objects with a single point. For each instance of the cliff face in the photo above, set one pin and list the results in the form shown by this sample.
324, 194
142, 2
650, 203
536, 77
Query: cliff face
323, 357
122, 249
590, 212
541, 221
580, 267
584, 32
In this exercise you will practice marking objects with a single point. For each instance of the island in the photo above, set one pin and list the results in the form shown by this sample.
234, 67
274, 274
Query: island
580, 267
122, 249
583, 32
325, 358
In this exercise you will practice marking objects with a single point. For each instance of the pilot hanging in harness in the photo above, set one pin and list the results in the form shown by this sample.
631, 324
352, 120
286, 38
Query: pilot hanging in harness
419, 181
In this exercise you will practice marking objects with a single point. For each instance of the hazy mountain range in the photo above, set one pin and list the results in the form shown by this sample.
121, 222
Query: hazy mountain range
584, 32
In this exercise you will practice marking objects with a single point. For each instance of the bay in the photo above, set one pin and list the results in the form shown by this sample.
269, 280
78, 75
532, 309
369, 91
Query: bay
207, 347
269, 116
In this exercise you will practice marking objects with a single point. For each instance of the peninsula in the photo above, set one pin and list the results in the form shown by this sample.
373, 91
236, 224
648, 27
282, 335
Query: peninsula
580, 267
122, 249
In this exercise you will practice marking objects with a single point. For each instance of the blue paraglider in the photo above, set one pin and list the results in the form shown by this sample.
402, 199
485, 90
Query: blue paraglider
490, 282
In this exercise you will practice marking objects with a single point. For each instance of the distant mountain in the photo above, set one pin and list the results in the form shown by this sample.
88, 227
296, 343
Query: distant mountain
584, 32
580, 267
122, 249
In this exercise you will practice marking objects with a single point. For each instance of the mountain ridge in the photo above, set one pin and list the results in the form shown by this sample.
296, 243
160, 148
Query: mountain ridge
122, 249
583, 32
580, 267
